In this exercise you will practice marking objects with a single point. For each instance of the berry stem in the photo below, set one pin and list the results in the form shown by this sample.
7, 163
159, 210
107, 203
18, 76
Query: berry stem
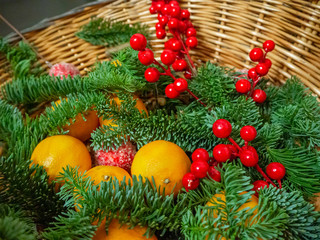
253, 87
186, 52
264, 175
234, 143
192, 94
168, 73
279, 182
246, 144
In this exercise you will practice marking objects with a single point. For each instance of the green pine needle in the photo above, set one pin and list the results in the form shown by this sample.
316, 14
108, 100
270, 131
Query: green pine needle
104, 32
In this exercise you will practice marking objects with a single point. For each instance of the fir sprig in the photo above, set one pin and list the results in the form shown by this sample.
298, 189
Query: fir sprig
303, 221
302, 163
135, 203
27, 187
22, 59
105, 76
213, 84
107, 33
16, 224
224, 218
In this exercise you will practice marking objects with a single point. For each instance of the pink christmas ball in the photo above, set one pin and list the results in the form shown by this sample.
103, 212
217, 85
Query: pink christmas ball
63, 70
121, 157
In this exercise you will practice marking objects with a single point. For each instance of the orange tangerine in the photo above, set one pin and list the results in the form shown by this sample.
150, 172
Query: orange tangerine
118, 232
57, 152
82, 128
165, 161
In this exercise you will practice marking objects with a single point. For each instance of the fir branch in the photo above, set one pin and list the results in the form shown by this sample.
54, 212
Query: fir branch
11, 121
32, 89
104, 32
224, 219
303, 221
134, 204
15, 224
297, 112
159, 125
190, 127
38, 198
21, 58
105, 76
302, 168
213, 84
70, 226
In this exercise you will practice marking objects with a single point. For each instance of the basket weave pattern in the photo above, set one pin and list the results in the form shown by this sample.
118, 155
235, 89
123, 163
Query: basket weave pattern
227, 30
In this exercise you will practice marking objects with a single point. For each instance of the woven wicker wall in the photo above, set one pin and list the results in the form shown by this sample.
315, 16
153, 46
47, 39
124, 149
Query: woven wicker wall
227, 30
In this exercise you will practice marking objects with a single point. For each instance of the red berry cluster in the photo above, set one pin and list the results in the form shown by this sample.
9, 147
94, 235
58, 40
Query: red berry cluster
244, 86
201, 167
275, 171
176, 52
247, 154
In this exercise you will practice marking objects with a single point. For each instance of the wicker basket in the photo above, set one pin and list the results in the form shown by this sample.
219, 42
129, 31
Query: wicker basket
227, 30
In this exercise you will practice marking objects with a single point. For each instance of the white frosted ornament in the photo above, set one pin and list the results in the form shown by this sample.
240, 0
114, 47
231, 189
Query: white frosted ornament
63, 70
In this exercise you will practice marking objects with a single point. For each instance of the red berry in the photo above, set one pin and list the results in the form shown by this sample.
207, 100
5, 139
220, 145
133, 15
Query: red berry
175, 44
200, 169
138, 42
152, 74
192, 42
221, 153
248, 133
233, 150
190, 182
159, 16
161, 33
276, 170
222, 128
191, 32
166, 9
262, 69
171, 92
173, 23
200, 154
268, 45
188, 24
252, 149
163, 20
248, 158
153, 9
173, 3
158, 26
168, 57
259, 96
256, 54
268, 62
185, 14
179, 65
243, 86
180, 85
187, 75
258, 185
214, 173
159, 6
146, 57
252, 74
175, 11
182, 27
